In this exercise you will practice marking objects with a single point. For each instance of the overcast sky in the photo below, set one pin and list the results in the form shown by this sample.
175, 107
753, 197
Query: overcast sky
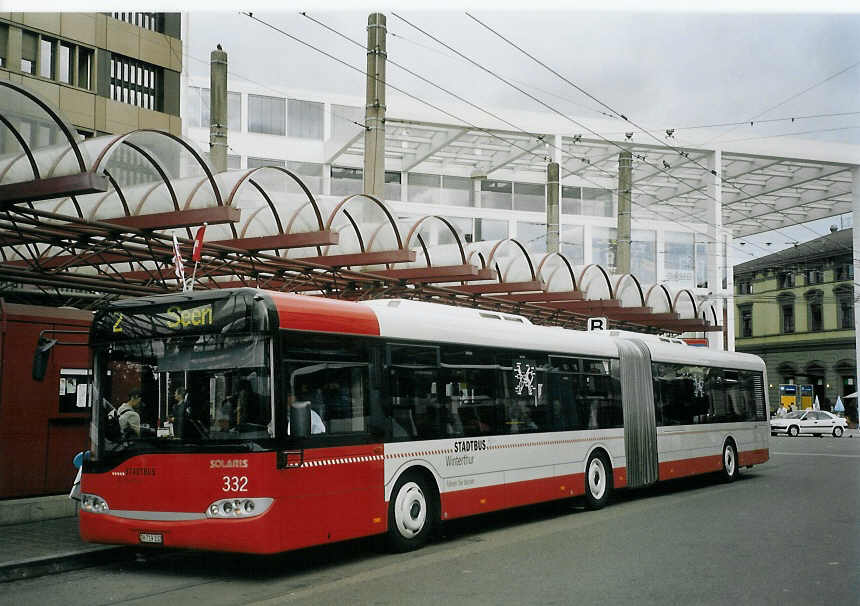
662, 69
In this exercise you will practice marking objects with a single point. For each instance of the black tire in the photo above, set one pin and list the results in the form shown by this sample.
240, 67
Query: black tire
837, 432
413, 513
730, 462
598, 480
794, 431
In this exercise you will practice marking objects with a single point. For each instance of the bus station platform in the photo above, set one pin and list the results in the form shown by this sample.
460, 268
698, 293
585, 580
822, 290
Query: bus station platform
39, 536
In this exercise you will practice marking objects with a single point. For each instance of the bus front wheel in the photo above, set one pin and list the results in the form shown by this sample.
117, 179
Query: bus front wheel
412, 513
598, 481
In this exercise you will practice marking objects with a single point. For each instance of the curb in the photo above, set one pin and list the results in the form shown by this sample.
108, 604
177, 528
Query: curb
36, 567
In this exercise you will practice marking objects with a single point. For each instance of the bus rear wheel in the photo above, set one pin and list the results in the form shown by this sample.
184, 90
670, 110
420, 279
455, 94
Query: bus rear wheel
730, 462
598, 481
412, 513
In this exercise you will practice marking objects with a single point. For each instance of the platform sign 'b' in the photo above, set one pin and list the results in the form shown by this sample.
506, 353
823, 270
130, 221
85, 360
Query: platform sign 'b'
597, 324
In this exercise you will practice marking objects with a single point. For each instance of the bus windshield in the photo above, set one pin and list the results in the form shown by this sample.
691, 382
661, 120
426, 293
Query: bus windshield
189, 389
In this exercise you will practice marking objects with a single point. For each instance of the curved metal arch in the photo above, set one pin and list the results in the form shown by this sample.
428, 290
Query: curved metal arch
564, 260
660, 287
26, 149
638, 284
61, 201
413, 230
269, 203
497, 245
116, 189
188, 147
480, 256
602, 271
685, 291
158, 169
251, 171
373, 199
58, 120
713, 321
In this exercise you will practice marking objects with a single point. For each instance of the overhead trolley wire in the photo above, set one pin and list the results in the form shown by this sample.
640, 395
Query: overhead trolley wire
681, 152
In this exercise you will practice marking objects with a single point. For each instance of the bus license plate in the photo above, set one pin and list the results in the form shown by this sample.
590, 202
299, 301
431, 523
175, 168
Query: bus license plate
151, 537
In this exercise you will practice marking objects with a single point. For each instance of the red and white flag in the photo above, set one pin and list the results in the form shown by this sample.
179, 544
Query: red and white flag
178, 267
197, 251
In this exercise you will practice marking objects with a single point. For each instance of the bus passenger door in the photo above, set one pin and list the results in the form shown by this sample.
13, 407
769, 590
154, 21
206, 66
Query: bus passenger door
640, 425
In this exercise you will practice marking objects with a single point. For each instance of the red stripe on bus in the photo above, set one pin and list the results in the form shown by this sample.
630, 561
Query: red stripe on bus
753, 457
297, 312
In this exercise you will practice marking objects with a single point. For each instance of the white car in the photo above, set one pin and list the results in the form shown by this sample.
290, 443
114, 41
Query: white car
815, 422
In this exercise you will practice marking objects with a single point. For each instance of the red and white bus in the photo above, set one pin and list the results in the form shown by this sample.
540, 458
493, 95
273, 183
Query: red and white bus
272, 421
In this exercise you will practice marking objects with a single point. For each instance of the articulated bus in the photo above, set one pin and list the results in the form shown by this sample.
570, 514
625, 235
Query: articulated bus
264, 422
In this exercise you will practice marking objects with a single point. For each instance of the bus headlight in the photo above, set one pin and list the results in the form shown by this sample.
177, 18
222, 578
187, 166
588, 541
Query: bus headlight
238, 508
94, 504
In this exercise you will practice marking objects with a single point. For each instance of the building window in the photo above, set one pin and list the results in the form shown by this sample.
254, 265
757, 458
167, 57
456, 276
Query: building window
597, 202
814, 276
305, 119
680, 256
346, 181
423, 188
135, 82
604, 245
571, 243
457, 191
844, 271
392, 189
199, 104
744, 287
571, 200
844, 307
346, 121
785, 280
816, 322
29, 51
643, 255
490, 230
4, 42
530, 197
310, 173
746, 321
496, 194
787, 317
532, 236
151, 21
47, 51
267, 115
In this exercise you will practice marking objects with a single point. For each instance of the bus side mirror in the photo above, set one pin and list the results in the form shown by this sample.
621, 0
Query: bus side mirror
300, 419
40, 357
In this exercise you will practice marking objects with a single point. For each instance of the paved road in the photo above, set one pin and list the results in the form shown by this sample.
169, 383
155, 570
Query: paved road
786, 533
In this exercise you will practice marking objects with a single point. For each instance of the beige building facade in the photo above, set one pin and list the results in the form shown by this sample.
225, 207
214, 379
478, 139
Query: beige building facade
104, 72
795, 309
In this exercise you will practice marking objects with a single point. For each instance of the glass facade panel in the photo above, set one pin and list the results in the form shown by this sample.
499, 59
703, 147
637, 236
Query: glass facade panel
305, 119
343, 121
571, 243
258, 162
597, 202
392, 187
496, 194
532, 236
311, 174
457, 191
234, 111
346, 181
571, 200
423, 188
604, 246
679, 258
488, 230
529, 197
643, 255
267, 115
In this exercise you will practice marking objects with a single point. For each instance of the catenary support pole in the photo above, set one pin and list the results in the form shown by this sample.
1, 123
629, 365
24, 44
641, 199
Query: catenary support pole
218, 109
374, 113
625, 185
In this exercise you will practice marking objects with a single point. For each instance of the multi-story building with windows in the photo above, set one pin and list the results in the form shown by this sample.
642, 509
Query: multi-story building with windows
795, 309
104, 72
309, 133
